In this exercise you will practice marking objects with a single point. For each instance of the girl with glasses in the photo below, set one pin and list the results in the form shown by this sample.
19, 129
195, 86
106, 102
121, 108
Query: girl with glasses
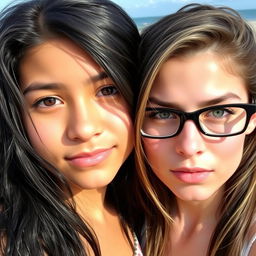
67, 76
196, 139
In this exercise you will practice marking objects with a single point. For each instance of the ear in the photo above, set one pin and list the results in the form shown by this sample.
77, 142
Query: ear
251, 125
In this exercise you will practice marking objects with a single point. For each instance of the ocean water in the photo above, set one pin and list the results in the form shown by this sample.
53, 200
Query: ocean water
145, 21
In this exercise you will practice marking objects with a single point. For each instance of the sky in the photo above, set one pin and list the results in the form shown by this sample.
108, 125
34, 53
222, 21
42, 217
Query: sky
143, 8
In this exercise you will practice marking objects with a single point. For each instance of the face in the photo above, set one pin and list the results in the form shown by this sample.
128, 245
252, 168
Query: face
192, 165
76, 118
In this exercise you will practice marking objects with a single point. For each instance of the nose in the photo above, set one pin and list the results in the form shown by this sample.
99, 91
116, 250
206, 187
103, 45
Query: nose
189, 142
84, 121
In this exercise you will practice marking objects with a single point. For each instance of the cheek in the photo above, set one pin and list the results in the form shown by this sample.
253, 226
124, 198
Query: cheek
157, 152
42, 136
117, 114
119, 122
123, 120
229, 152
231, 146
126, 135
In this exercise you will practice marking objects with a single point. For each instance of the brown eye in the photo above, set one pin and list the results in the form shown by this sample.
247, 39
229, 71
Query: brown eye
47, 102
108, 91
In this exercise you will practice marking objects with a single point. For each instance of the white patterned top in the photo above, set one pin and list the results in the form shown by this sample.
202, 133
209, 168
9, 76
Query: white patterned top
137, 250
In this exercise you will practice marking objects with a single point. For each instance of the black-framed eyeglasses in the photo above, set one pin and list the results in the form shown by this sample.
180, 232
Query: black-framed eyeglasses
215, 121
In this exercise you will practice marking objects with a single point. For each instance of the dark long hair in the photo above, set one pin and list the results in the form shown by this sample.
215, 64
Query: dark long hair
35, 219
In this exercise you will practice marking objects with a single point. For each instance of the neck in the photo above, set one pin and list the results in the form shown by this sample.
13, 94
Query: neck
198, 213
90, 203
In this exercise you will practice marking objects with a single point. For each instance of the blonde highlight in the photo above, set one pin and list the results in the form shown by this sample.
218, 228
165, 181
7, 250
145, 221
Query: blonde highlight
193, 29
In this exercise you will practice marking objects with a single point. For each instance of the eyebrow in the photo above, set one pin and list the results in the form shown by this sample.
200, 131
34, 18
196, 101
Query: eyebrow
56, 86
99, 77
154, 100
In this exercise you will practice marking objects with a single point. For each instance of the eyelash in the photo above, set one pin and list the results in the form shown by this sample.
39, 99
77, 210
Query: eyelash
155, 114
41, 101
100, 91
225, 110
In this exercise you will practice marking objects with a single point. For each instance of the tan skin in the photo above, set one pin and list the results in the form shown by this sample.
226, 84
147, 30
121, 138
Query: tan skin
76, 109
105, 223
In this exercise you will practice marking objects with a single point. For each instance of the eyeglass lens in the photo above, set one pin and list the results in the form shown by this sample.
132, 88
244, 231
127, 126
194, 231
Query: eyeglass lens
165, 122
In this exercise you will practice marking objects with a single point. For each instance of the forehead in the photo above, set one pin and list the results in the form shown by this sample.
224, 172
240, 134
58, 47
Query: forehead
56, 58
201, 76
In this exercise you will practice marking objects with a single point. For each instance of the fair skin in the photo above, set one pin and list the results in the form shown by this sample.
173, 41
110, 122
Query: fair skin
77, 120
188, 84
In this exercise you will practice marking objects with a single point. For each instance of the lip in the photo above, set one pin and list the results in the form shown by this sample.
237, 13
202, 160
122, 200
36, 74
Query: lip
191, 175
88, 159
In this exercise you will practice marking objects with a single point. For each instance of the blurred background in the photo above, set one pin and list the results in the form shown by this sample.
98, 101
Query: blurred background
146, 12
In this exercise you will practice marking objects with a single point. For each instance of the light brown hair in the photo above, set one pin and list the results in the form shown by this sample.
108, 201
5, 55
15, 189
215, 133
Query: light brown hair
192, 29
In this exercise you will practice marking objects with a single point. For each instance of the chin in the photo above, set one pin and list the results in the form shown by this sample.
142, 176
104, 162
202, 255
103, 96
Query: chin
94, 184
193, 195
194, 198
91, 182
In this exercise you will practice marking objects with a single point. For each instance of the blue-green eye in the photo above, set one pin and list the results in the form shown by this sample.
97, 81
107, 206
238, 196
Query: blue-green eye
107, 91
162, 114
219, 113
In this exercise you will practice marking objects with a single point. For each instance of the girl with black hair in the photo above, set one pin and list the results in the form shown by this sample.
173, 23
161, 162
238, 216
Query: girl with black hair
68, 70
